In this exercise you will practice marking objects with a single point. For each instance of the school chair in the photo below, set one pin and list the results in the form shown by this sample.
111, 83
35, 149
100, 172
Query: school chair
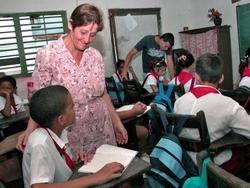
114, 92
197, 122
218, 177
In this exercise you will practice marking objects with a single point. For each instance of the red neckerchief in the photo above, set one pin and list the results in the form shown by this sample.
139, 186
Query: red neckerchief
154, 75
13, 104
184, 77
246, 72
203, 90
62, 151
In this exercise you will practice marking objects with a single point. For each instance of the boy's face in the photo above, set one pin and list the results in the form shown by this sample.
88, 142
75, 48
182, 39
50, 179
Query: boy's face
6, 88
69, 112
121, 68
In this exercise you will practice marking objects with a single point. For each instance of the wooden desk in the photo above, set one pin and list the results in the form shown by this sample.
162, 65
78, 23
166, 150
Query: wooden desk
15, 117
137, 167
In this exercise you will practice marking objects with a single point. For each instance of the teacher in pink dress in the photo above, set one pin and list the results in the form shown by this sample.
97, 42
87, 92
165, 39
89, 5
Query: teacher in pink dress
71, 62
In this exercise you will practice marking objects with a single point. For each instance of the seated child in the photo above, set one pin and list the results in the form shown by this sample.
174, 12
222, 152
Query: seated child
46, 160
10, 103
141, 129
184, 69
244, 70
223, 114
154, 76
118, 81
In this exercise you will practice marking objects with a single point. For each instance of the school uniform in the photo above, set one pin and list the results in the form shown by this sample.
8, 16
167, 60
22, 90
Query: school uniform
17, 107
245, 81
42, 161
151, 79
184, 78
222, 113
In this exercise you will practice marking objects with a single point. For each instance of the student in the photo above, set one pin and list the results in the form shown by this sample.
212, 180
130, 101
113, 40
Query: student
244, 70
46, 160
223, 114
154, 49
154, 76
118, 78
184, 69
10, 103
141, 130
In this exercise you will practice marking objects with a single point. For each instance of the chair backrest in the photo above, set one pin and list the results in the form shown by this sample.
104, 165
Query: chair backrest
218, 177
240, 94
113, 92
197, 122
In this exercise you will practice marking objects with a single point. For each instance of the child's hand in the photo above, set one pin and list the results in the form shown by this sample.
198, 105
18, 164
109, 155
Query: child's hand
108, 172
80, 157
5, 93
139, 108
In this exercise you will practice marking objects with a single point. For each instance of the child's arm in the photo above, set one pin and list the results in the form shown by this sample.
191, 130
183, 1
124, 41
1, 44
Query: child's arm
7, 107
107, 173
137, 109
154, 88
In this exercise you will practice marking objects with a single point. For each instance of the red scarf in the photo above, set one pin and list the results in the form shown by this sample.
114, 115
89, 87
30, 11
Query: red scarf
246, 72
62, 151
154, 75
184, 77
203, 90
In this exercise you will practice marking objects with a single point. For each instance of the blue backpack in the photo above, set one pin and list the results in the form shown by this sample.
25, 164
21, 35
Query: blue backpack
170, 163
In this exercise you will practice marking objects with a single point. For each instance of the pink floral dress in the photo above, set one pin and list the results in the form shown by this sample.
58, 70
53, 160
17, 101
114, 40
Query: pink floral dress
86, 83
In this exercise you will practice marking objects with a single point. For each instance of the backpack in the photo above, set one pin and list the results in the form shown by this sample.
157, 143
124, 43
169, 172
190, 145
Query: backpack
163, 99
170, 163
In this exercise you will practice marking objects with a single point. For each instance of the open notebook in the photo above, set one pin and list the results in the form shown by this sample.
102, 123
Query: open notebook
130, 106
106, 154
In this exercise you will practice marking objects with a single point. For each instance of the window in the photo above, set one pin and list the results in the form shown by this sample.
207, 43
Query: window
23, 34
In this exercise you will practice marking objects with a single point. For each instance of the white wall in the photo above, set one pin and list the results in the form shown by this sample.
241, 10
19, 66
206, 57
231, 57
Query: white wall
199, 19
174, 16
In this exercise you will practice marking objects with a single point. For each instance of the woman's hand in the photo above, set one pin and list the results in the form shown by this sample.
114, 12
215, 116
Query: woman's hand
108, 172
120, 133
23, 138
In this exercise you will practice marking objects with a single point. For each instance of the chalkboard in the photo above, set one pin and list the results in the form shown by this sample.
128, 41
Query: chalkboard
127, 27
243, 19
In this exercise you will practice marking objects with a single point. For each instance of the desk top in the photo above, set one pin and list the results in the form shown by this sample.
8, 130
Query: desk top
15, 117
137, 167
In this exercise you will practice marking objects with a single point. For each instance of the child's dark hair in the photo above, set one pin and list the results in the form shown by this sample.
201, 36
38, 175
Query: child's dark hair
119, 63
209, 67
184, 60
244, 62
168, 37
9, 79
47, 104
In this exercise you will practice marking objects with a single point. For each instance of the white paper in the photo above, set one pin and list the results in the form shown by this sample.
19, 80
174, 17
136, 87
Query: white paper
130, 22
107, 154
130, 106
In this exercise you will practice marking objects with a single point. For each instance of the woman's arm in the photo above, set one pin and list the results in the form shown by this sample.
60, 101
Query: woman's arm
22, 139
120, 131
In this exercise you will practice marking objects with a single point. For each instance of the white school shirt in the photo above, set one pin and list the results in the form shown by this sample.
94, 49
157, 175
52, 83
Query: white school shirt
222, 113
42, 163
19, 105
151, 80
186, 86
245, 81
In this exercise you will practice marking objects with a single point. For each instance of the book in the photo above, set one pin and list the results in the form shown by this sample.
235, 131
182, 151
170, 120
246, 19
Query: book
107, 154
130, 106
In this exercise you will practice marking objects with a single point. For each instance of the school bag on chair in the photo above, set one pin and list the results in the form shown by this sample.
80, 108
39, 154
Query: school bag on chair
170, 163
163, 99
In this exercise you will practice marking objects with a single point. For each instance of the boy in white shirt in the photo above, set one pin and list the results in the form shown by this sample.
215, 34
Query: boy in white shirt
222, 113
10, 103
46, 160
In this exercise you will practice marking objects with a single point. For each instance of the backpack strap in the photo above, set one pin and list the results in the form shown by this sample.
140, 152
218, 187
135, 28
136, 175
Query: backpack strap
180, 124
167, 127
145, 79
165, 96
